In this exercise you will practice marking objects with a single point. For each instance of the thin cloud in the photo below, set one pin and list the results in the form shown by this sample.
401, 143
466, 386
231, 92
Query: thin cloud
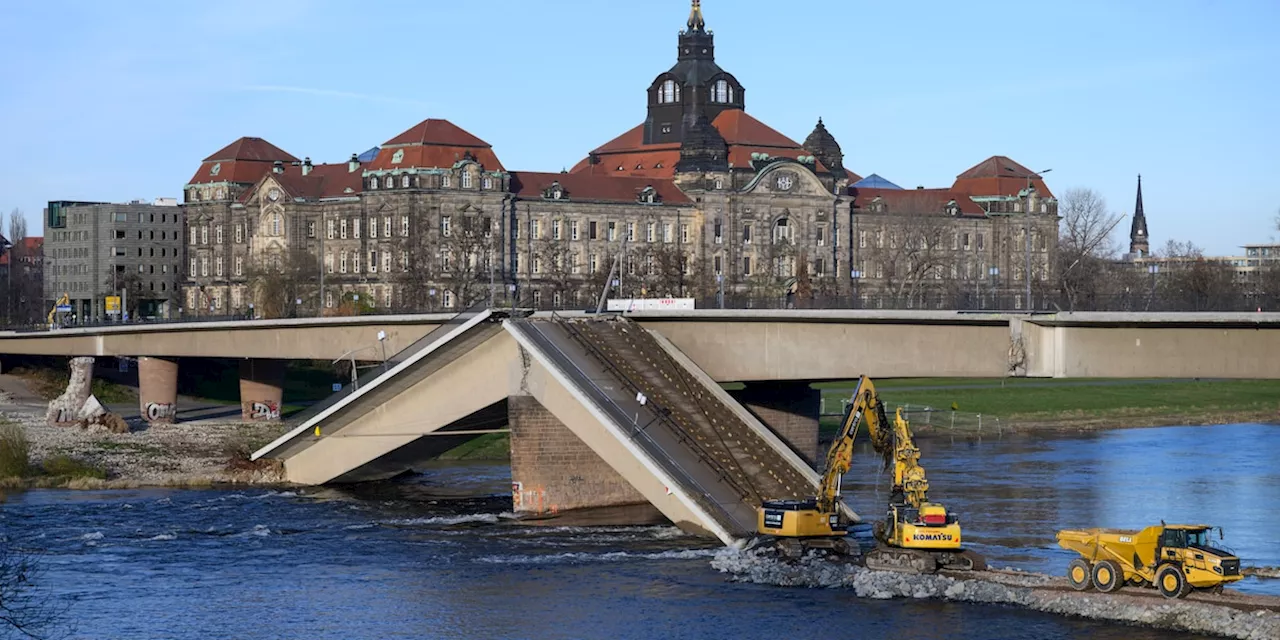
329, 93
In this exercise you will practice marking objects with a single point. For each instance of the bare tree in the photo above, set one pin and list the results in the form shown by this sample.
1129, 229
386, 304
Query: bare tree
1190, 282
911, 255
25, 611
1085, 246
278, 280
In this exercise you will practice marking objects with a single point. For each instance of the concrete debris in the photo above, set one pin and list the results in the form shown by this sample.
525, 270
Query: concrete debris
1015, 588
109, 422
91, 409
65, 409
1262, 572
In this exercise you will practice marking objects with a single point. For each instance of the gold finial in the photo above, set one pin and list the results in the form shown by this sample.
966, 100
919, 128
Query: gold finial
696, 22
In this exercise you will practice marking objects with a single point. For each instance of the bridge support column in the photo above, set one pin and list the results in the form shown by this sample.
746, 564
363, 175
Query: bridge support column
789, 409
261, 389
553, 471
158, 389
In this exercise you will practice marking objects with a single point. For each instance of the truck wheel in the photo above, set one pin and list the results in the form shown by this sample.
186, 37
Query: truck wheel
1078, 574
1171, 582
1107, 576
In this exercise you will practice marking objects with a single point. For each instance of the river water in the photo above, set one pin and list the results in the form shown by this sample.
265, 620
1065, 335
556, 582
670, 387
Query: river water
435, 556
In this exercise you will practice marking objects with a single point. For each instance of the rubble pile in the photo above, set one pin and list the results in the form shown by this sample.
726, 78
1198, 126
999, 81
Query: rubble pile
1021, 589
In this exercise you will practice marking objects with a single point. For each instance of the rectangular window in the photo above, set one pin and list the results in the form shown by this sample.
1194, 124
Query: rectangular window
719, 231
355, 228
404, 226
613, 231
667, 235
746, 265
631, 232
192, 270
204, 234
120, 234
966, 243
386, 233
555, 229
355, 261
373, 228
573, 229
979, 242
373, 262
404, 260
591, 230
342, 262
684, 234
536, 232
746, 234
328, 233
218, 233
124, 217
386, 261
386, 296
537, 264
822, 236
446, 226
193, 236
217, 268
328, 262
719, 265
651, 232
342, 229
592, 263
204, 266
574, 265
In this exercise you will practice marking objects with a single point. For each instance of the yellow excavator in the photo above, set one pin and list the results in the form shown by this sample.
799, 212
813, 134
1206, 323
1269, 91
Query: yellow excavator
65, 299
916, 536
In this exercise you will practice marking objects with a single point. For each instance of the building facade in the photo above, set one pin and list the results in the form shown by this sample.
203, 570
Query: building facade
700, 199
95, 250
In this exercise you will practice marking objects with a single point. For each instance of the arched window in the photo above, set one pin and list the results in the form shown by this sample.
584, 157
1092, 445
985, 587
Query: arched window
404, 182
721, 92
781, 230
275, 225
373, 183
669, 92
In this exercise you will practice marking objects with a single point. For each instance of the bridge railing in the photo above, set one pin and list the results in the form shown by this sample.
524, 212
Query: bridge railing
639, 433
385, 368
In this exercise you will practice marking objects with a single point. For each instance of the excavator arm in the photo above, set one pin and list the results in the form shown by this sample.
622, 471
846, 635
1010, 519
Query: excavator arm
865, 406
65, 299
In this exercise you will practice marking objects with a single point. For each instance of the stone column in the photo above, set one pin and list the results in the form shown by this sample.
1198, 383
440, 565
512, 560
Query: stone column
158, 389
65, 409
261, 389
553, 471
790, 409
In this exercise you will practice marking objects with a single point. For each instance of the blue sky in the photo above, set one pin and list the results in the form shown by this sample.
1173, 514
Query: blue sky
103, 102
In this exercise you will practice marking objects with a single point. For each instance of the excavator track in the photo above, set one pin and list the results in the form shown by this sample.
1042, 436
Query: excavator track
919, 561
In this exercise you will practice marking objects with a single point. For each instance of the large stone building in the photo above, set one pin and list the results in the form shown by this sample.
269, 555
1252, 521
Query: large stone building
95, 250
700, 200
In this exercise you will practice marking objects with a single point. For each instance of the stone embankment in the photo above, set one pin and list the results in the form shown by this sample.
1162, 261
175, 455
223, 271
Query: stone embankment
1231, 615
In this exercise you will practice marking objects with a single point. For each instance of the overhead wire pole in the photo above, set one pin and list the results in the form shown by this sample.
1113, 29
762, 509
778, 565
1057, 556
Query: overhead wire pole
1026, 220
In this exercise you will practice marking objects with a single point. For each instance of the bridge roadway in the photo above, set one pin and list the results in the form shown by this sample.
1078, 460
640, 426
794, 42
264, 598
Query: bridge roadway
749, 345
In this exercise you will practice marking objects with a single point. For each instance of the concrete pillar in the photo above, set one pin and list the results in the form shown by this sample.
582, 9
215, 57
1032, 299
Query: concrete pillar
158, 389
790, 409
553, 471
261, 389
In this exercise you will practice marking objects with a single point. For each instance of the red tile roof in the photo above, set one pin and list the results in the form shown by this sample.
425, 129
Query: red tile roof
437, 132
743, 133
26, 247
432, 157
584, 186
239, 171
255, 149
998, 176
853, 177
324, 181
914, 200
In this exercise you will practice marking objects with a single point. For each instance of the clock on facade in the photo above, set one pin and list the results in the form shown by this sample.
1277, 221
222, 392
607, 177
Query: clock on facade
274, 194
785, 182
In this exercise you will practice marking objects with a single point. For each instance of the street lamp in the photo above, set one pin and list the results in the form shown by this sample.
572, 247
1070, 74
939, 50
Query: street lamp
1026, 220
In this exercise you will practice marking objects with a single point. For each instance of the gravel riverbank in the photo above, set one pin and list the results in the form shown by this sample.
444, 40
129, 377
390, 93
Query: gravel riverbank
186, 454
1246, 618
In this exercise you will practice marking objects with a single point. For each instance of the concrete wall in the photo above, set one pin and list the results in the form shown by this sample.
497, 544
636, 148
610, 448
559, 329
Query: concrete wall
1152, 352
838, 350
553, 470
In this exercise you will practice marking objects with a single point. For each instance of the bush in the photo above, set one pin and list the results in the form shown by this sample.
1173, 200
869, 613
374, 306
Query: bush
14, 452
68, 467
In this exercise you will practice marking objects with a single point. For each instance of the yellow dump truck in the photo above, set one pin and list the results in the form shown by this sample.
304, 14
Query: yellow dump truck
1173, 558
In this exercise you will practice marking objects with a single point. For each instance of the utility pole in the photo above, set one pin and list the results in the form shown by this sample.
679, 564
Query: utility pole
1026, 220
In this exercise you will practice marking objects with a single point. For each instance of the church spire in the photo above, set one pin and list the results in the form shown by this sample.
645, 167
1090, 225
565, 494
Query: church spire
696, 21
1139, 239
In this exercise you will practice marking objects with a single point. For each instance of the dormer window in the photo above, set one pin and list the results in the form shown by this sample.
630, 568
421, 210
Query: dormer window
668, 92
444, 181
486, 183
648, 195
466, 179
639, 166
722, 92
373, 184
554, 192
404, 182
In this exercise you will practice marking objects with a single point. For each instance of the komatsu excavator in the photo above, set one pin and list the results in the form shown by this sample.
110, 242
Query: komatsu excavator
916, 536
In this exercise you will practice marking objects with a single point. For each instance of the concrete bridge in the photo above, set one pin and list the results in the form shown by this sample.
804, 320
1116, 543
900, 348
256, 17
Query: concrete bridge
609, 413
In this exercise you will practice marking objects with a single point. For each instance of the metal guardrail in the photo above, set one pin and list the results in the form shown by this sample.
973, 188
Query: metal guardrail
385, 368
638, 433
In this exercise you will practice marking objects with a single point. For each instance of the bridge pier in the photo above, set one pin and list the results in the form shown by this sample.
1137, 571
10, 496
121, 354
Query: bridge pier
158, 389
790, 409
261, 389
552, 470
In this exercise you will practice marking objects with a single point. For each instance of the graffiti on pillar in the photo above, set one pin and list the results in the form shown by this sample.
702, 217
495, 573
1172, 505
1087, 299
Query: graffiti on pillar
161, 411
517, 492
534, 499
261, 410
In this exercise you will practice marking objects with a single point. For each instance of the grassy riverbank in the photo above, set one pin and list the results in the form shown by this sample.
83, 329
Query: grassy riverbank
1023, 404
